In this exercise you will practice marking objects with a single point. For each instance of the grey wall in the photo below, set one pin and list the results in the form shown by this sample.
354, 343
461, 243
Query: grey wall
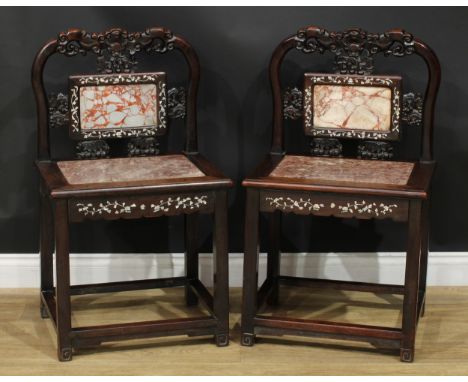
234, 46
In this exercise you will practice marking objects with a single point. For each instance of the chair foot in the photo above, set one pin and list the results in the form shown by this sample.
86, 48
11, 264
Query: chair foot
247, 339
43, 310
406, 355
65, 354
222, 339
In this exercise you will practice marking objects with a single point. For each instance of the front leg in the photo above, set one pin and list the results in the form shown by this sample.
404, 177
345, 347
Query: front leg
274, 255
250, 284
410, 302
191, 256
424, 253
46, 234
63, 281
221, 268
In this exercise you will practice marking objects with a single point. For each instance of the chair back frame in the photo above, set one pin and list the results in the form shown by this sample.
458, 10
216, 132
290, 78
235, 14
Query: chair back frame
115, 50
354, 50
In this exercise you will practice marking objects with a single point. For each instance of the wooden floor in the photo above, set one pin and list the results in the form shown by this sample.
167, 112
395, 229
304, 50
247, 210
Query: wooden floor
27, 343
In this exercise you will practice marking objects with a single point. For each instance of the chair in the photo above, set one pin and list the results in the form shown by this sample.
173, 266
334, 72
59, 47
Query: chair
118, 105
329, 184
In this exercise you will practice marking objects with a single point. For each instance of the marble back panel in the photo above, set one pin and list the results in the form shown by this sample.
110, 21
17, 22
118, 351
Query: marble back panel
117, 106
114, 106
344, 106
352, 107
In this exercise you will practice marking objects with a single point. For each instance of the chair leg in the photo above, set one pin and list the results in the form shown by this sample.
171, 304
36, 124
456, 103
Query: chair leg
191, 256
63, 281
274, 259
424, 252
410, 302
46, 249
221, 269
250, 283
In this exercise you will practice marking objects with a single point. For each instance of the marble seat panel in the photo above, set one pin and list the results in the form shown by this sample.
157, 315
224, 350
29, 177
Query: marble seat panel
344, 170
128, 169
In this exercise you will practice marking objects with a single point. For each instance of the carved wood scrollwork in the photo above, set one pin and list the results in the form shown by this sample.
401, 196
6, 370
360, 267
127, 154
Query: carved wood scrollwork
58, 110
328, 147
142, 146
412, 108
354, 49
292, 103
176, 102
116, 48
375, 150
95, 149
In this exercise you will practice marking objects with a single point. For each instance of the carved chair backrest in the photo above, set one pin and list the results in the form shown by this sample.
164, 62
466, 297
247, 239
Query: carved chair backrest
354, 51
115, 51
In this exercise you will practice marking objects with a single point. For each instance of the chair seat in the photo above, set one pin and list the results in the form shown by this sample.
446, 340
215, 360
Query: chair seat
128, 169
135, 175
342, 175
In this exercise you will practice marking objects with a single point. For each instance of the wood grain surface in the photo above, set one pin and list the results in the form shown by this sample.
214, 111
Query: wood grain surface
28, 343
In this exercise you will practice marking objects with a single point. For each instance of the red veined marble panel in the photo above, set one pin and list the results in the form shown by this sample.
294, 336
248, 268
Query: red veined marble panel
352, 107
118, 106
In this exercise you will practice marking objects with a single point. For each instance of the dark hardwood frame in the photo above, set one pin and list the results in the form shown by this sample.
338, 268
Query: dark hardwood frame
61, 202
412, 199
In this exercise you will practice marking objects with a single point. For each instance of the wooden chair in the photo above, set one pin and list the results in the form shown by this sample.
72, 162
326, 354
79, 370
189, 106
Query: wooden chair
133, 187
328, 184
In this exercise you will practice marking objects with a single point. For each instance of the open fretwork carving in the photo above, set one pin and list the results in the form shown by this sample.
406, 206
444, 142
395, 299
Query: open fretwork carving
412, 108
375, 150
142, 146
327, 147
95, 149
292, 103
176, 102
116, 48
58, 110
354, 49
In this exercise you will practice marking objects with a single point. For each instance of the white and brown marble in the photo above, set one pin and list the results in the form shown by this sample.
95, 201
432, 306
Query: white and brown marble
352, 107
343, 170
118, 106
128, 169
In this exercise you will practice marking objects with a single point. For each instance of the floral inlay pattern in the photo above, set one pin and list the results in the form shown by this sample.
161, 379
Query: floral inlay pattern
117, 106
364, 207
307, 204
181, 202
290, 204
110, 208
165, 205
